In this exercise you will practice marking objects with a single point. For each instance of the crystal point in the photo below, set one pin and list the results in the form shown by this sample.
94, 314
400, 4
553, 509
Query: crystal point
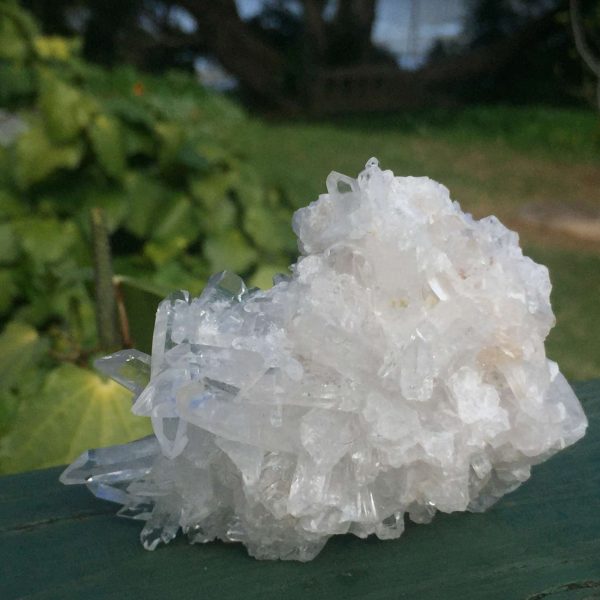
130, 368
399, 371
107, 472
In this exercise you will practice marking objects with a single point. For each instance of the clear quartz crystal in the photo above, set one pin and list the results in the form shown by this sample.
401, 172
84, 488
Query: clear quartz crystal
108, 471
399, 371
130, 368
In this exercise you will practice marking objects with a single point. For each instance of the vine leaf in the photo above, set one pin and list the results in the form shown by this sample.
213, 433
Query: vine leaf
75, 410
21, 349
37, 157
108, 144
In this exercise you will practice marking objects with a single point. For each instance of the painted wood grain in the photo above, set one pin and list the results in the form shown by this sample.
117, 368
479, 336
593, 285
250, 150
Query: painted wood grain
542, 541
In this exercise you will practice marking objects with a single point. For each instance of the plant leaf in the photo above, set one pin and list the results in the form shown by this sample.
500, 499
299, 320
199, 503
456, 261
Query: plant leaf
229, 251
75, 410
142, 215
108, 144
37, 157
175, 219
263, 277
9, 247
269, 228
13, 34
46, 240
21, 349
8, 290
66, 109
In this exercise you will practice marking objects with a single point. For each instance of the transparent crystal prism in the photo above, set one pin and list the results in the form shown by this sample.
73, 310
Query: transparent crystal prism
113, 465
161, 527
130, 368
399, 371
162, 340
224, 286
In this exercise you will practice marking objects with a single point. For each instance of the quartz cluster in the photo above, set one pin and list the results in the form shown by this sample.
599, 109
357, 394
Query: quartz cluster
399, 370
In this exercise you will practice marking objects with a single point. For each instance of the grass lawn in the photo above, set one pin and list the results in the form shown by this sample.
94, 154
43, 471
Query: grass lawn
493, 160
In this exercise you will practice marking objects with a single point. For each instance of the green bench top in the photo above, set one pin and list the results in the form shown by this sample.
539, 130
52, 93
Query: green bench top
542, 541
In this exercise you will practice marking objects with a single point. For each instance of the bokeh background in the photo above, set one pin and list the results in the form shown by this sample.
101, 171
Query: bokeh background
145, 144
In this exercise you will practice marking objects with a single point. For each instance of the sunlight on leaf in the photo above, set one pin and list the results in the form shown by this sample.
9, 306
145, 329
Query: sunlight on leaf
75, 410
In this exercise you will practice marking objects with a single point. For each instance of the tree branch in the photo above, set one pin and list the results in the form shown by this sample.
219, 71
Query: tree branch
583, 47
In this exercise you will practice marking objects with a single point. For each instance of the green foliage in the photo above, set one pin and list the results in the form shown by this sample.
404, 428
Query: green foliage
37, 158
73, 410
65, 109
109, 148
21, 352
159, 156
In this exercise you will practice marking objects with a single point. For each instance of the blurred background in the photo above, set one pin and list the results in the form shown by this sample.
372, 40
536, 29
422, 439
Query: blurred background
145, 144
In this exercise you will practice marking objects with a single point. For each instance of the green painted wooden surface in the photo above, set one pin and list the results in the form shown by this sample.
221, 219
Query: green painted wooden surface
543, 541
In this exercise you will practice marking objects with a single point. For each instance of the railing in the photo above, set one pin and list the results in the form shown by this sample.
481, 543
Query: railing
369, 89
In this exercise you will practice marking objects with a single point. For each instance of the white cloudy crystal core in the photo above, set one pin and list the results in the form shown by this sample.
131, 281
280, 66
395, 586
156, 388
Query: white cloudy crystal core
399, 370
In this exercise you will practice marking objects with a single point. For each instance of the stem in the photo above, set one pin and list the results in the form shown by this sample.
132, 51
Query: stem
122, 313
106, 314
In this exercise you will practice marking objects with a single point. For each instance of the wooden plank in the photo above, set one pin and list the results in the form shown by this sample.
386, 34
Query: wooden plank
541, 541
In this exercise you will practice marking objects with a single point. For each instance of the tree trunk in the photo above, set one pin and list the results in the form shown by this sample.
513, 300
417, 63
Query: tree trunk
241, 52
352, 28
316, 31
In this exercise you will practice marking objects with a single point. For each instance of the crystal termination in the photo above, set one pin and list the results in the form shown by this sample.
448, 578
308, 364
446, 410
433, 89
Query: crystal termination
400, 370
